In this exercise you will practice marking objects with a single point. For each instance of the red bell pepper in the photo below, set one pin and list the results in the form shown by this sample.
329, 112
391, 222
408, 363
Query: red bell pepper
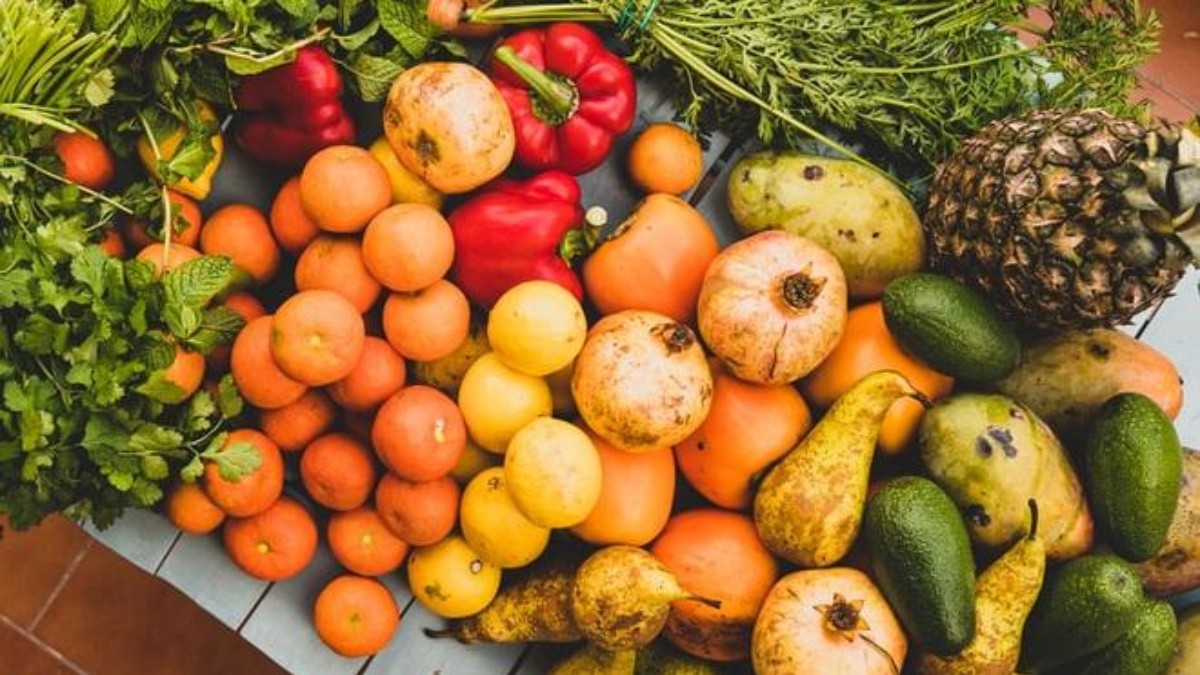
567, 94
513, 231
289, 113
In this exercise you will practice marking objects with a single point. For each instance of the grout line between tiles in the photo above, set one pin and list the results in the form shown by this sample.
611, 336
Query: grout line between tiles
62, 582
43, 646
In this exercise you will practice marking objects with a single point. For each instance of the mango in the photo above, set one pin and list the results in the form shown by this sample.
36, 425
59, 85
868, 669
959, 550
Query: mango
992, 455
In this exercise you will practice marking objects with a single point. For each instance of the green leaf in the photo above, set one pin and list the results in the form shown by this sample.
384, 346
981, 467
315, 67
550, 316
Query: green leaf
102, 13
100, 89
217, 326
192, 471
14, 287
146, 493
36, 427
33, 464
121, 480
191, 159
88, 268
102, 432
229, 399
298, 8
39, 335
196, 282
152, 438
354, 41
236, 460
155, 467
201, 409
374, 75
183, 320
147, 22
252, 64
157, 387
405, 21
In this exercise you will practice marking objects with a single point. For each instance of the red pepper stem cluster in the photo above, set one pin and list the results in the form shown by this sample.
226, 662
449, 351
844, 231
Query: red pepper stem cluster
555, 96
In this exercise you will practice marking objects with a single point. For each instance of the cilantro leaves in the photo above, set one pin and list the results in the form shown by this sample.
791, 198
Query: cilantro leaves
89, 421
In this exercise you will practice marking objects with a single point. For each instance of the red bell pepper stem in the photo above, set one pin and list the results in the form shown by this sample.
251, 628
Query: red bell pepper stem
557, 96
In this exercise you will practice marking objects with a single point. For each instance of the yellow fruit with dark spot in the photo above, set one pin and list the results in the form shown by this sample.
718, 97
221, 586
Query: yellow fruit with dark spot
407, 187
494, 526
450, 579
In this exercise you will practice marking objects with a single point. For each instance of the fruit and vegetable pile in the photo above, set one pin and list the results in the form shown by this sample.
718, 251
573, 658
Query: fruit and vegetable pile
891, 428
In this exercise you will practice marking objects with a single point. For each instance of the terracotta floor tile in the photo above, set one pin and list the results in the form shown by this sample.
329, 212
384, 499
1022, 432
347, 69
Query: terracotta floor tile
113, 619
1166, 105
33, 562
1177, 68
22, 656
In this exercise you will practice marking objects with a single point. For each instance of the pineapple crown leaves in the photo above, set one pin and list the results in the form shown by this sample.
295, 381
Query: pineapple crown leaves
1162, 182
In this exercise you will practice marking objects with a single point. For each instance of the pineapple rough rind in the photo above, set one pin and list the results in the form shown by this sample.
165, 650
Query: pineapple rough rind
1034, 211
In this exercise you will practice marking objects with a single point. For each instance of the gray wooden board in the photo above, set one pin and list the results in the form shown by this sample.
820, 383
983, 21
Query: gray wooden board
714, 203
200, 567
411, 652
1174, 331
142, 537
281, 626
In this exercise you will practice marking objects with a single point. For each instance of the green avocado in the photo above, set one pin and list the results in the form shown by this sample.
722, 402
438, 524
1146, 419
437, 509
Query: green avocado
952, 327
1145, 649
1132, 466
1087, 603
921, 556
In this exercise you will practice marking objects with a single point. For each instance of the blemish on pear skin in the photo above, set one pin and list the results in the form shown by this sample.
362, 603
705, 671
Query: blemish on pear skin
978, 516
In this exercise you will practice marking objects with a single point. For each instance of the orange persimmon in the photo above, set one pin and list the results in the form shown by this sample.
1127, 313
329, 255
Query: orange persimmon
867, 346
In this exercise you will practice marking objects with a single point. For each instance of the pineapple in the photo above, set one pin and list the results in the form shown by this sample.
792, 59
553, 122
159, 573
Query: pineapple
1068, 219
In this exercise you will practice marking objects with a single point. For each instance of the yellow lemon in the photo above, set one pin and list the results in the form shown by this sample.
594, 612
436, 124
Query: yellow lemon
537, 327
407, 187
496, 401
494, 526
450, 579
553, 472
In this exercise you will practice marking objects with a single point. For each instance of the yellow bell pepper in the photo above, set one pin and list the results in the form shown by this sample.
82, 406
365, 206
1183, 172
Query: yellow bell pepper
199, 187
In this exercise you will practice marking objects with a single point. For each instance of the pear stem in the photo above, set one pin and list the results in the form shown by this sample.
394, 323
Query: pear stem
1033, 518
715, 604
920, 398
443, 633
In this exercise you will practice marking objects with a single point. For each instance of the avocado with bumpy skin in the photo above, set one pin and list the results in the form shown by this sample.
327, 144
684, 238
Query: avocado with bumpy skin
1144, 649
1133, 466
1086, 605
921, 557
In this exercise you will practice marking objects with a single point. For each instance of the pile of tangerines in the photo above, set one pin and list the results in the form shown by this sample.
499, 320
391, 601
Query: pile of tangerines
317, 364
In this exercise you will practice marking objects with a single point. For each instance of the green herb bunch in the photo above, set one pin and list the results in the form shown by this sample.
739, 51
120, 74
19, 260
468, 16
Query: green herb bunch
173, 52
915, 76
89, 424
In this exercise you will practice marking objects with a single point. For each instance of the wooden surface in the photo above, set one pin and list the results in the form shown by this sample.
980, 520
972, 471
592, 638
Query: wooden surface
277, 617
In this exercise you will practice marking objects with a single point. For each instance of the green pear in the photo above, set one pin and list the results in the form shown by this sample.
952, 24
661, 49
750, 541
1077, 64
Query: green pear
622, 597
595, 660
1004, 595
536, 607
809, 507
